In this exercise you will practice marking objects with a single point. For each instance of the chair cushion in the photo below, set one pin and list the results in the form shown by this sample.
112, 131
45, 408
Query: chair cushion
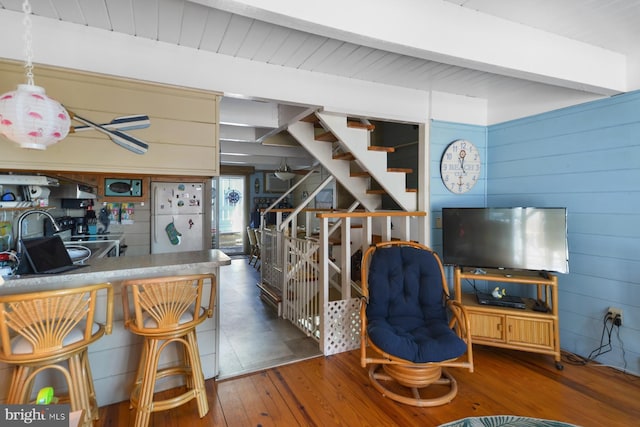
20, 345
406, 313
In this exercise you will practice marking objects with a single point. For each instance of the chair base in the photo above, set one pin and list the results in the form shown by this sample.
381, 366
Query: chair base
77, 374
142, 395
410, 384
175, 401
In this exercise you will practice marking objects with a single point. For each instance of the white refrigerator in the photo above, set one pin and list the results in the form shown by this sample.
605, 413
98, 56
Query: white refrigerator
177, 217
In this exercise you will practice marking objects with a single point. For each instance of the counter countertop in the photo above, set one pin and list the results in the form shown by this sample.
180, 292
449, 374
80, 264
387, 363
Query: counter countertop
115, 354
120, 268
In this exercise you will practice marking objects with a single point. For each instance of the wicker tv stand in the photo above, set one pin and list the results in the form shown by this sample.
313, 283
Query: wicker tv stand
518, 329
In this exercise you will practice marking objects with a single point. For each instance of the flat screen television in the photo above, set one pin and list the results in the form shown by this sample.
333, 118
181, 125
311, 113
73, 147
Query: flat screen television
520, 238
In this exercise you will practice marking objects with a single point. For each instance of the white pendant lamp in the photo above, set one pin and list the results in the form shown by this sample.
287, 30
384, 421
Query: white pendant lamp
284, 173
28, 116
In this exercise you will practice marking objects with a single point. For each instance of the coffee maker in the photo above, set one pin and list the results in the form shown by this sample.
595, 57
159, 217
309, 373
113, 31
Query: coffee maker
81, 226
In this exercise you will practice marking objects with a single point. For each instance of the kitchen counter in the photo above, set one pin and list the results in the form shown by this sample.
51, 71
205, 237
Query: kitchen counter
120, 268
113, 357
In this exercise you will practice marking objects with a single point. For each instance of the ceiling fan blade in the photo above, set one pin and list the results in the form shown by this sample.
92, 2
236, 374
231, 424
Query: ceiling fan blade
129, 142
121, 124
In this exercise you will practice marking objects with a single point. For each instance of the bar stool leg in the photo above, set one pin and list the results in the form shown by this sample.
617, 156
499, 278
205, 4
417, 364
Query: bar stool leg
144, 405
27, 388
196, 374
186, 361
78, 384
18, 385
88, 378
137, 384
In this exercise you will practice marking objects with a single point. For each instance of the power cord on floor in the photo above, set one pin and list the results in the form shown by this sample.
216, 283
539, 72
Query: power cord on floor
574, 359
604, 348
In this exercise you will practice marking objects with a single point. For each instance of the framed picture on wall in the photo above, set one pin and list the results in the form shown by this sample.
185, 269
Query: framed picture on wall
273, 184
324, 199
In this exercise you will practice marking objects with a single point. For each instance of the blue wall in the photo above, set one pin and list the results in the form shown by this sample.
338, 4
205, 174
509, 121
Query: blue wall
441, 134
585, 158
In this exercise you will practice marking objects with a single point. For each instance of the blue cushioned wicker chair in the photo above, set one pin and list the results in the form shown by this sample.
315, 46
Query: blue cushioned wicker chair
411, 330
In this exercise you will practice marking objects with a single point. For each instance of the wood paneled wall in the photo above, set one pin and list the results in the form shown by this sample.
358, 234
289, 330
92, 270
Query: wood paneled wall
183, 136
585, 158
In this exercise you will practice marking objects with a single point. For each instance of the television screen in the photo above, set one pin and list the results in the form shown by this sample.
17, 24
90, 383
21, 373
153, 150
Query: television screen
511, 238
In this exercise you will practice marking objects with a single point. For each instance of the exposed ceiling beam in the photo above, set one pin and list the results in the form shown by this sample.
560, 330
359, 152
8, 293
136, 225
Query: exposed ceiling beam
243, 112
423, 29
243, 133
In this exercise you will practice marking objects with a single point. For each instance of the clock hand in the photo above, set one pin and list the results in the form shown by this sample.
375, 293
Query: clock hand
462, 156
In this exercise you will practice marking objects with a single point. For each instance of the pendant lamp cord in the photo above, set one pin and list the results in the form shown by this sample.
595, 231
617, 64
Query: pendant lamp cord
28, 41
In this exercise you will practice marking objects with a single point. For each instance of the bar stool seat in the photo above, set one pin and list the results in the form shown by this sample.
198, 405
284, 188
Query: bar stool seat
52, 330
166, 310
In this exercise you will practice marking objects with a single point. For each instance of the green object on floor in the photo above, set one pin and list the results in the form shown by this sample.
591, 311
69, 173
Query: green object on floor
46, 397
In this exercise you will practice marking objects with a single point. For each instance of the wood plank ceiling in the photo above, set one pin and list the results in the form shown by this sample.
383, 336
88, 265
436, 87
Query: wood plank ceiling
607, 24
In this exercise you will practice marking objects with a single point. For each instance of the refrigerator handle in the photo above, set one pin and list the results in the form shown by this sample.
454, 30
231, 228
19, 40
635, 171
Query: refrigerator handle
154, 220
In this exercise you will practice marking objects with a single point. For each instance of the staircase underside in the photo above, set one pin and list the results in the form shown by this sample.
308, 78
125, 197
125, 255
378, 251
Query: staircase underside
343, 148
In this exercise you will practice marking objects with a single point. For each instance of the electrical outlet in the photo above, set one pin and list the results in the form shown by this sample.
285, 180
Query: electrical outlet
615, 314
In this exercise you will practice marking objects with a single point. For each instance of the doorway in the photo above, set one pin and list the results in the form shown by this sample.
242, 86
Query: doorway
231, 214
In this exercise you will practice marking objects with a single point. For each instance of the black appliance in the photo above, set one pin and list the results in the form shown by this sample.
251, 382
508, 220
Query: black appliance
66, 224
520, 238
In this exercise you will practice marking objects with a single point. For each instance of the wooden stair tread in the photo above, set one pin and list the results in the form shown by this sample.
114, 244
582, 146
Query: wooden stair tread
401, 170
381, 148
381, 191
343, 156
364, 174
311, 118
326, 136
272, 292
360, 125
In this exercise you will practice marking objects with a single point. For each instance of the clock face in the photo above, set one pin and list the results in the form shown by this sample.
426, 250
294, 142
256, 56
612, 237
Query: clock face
460, 166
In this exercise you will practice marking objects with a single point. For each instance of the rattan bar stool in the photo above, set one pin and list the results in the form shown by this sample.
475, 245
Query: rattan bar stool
167, 310
53, 330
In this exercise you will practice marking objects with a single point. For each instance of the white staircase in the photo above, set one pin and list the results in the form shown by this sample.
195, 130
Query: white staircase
345, 151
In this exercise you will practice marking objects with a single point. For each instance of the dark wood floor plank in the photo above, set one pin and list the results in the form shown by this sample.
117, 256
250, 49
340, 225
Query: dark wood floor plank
349, 363
254, 400
336, 391
340, 401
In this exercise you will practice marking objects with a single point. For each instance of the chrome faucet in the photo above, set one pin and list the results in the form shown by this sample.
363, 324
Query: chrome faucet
21, 218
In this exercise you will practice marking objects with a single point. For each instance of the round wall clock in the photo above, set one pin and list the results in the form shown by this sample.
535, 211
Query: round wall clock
460, 166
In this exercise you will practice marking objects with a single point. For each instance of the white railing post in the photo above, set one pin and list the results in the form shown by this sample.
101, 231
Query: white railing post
404, 228
346, 258
323, 276
385, 231
366, 234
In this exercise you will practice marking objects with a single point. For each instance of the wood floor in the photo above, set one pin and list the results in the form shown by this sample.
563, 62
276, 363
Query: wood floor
335, 391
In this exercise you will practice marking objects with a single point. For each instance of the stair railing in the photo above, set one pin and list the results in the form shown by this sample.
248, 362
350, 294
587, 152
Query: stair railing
339, 328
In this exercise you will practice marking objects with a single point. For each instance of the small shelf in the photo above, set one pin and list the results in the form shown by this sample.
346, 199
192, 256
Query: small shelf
470, 300
20, 206
514, 328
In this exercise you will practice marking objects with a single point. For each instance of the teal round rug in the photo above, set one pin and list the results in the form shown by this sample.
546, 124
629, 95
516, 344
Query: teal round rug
505, 421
